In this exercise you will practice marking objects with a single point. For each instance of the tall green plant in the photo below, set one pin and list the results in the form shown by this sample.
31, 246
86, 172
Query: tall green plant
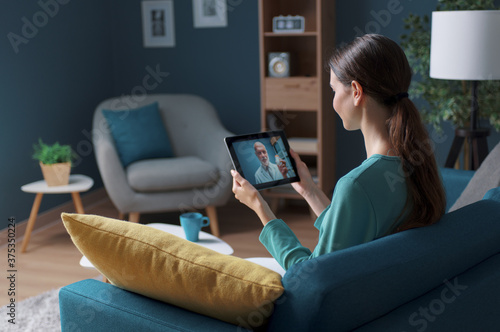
446, 100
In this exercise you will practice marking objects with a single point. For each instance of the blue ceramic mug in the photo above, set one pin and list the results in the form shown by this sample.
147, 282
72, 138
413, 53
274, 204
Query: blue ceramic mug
192, 222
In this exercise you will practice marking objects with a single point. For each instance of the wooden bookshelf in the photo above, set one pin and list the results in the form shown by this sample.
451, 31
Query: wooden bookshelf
301, 104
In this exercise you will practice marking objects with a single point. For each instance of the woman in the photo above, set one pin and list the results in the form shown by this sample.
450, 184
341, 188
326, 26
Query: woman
396, 188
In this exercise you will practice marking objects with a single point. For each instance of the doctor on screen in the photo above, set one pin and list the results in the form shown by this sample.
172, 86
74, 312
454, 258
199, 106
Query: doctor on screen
267, 170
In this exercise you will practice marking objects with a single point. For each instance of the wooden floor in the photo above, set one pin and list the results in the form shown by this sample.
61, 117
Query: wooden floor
52, 261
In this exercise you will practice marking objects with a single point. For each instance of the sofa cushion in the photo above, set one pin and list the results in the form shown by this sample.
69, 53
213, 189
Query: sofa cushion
138, 133
162, 266
486, 177
168, 174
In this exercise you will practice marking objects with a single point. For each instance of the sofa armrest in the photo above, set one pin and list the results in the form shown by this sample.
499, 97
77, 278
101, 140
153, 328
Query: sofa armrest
91, 305
454, 182
343, 290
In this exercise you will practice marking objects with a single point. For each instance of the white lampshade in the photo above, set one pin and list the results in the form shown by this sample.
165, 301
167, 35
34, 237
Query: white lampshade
465, 45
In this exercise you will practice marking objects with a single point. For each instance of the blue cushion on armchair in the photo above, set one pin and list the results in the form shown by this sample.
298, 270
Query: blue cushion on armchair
493, 194
138, 133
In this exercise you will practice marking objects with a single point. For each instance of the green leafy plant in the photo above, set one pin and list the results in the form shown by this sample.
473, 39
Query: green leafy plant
446, 100
52, 154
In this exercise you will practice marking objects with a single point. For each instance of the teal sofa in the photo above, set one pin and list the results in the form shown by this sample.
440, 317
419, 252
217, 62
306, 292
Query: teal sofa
445, 277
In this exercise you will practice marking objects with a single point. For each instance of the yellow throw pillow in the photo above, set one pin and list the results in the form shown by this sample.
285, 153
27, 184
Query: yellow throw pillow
165, 267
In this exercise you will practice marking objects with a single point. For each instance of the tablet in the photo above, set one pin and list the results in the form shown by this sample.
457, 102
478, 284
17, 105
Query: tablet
263, 159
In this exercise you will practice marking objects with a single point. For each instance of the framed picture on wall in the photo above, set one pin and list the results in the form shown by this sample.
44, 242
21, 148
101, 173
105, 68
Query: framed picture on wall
209, 13
158, 26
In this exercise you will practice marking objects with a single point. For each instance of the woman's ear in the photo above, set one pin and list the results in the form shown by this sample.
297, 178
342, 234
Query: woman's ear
357, 92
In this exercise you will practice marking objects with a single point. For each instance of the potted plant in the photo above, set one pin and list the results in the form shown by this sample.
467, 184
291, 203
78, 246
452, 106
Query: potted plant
446, 100
55, 162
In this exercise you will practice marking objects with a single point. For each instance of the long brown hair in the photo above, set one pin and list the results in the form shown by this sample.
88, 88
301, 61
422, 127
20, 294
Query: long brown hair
380, 66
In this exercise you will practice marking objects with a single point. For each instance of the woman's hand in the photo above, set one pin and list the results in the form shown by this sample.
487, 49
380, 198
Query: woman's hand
248, 195
307, 188
306, 184
244, 191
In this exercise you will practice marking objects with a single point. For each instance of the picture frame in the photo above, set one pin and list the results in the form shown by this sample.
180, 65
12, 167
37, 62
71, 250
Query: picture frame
158, 26
209, 13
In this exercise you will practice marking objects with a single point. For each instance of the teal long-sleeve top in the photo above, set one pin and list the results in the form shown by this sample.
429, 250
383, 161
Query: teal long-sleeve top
367, 203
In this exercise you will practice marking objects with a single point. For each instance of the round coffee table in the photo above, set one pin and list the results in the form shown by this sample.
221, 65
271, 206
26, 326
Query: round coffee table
77, 184
205, 239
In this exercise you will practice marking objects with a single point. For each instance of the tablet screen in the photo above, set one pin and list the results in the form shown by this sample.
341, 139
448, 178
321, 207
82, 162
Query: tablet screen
263, 159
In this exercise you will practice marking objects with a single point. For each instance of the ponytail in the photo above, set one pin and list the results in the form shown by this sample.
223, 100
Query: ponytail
425, 201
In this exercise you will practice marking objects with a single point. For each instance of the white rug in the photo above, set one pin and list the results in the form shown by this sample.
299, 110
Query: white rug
38, 313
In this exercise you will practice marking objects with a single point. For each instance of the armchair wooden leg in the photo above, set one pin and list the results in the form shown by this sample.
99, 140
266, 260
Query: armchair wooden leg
214, 223
134, 217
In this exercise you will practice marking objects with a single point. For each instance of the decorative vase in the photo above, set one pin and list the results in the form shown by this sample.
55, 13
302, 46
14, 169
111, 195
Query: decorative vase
56, 174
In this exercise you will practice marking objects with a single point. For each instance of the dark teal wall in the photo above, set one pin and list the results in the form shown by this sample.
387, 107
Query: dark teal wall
220, 64
91, 50
48, 90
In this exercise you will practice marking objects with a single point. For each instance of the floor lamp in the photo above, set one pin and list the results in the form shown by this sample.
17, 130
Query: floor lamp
465, 45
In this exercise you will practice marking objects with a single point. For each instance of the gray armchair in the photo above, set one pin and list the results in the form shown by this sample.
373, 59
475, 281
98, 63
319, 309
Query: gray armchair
485, 178
197, 177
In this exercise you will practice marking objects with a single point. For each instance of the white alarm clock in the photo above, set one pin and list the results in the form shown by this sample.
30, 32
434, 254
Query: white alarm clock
288, 24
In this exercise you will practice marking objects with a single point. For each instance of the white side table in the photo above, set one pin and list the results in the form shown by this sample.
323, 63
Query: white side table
77, 184
205, 239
